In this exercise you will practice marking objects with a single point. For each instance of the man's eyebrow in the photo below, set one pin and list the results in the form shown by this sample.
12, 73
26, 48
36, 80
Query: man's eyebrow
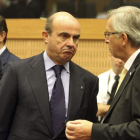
64, 33
78, 35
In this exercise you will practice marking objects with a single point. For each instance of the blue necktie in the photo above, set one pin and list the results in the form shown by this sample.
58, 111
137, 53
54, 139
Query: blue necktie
57, 103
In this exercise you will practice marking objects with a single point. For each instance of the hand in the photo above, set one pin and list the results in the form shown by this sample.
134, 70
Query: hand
102, 109
79, 130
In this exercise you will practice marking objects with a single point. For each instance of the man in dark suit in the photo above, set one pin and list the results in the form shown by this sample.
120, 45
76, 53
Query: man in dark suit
5, 54
122, 122
25, 111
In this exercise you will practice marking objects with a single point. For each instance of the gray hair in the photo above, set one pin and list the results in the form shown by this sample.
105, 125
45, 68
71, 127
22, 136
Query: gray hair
48, 26
127, 19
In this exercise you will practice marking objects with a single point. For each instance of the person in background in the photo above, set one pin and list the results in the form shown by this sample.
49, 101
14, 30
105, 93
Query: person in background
5, 54
108, 82
122, 121
47, 90
23, 9
76, 8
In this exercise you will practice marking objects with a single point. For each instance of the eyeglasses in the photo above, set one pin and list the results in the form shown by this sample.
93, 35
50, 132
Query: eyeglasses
107, 34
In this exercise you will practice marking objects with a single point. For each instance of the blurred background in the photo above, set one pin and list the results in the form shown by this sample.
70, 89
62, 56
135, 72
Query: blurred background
44, 8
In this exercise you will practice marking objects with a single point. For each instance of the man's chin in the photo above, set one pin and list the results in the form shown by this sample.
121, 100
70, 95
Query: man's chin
68, 55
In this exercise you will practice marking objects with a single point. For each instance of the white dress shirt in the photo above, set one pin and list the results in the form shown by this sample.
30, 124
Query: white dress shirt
50, 76
106, 81
2, 49
131, 59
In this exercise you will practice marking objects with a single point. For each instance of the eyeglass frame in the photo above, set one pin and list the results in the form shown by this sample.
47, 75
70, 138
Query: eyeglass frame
110, 33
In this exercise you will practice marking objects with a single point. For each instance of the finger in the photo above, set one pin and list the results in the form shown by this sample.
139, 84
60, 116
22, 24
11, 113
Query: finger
75, 122
71, 123
70, 127
70, 137
69, 132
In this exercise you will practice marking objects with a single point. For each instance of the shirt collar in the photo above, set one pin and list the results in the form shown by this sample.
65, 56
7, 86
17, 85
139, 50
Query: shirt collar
49, 63
2, 49
131, 59
112, 74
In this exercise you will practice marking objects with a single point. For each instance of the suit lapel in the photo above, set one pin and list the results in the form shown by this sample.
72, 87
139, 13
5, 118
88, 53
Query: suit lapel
37, 78
124, 84
4, 58
76, 91
119, 93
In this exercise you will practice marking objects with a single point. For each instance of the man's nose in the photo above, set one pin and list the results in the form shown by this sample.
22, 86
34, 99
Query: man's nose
106, 40
70, 42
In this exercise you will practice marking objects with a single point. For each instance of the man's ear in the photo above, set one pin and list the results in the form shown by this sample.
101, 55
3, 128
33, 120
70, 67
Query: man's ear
45, 36
2, 36
125, 39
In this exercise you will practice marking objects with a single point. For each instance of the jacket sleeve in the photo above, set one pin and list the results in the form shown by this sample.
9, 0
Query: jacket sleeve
8, 100
124, 131
92, 111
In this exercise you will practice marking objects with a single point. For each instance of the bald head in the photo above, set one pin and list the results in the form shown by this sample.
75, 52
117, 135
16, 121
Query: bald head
61, 36
60, 18
64, 16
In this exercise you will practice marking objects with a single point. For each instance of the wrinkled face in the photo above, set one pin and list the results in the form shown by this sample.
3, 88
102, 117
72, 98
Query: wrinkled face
63, 41
113, 40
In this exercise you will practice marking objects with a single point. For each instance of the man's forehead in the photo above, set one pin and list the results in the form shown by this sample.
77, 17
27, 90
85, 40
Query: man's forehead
66, 27
66, 23
109, 24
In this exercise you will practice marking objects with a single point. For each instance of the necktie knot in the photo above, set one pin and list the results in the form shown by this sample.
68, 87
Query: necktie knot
58, 69
117, 77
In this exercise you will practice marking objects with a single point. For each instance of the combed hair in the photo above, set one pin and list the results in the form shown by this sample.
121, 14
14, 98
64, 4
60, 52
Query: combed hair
3, 27
127, 19
48, 26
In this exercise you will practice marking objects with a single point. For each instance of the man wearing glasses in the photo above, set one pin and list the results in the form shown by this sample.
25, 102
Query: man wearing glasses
122, 122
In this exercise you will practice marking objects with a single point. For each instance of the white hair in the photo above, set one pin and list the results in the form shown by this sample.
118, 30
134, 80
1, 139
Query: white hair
127, 19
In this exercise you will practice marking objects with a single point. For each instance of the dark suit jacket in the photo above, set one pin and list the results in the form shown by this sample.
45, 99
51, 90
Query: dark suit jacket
5, 57
122, 121
24, 105
0, 70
